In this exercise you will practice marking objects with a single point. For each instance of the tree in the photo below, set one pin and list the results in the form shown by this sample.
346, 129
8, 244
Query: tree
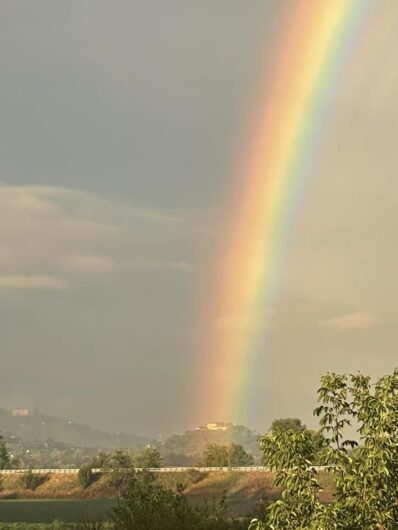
233, 455
4, 455
178, 459
120, 459
365, 476
284, 425
149, 457
102, 460
215, 456
287, 424
238, 457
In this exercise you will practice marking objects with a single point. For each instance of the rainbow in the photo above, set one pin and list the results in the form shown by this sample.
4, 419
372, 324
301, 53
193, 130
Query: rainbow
318, 41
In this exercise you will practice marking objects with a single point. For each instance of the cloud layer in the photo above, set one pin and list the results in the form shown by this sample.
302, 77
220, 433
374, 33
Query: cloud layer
49, 237
31, 282
350, 321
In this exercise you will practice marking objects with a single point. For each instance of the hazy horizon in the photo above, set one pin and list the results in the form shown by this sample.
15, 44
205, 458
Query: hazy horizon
123, 128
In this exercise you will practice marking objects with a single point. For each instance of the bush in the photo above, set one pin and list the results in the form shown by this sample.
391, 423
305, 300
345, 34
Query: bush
85, 477
144, 505
31, 481
195, 476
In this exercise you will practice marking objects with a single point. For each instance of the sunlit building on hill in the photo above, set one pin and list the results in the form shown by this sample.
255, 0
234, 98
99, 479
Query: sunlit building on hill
216, 426
20, 412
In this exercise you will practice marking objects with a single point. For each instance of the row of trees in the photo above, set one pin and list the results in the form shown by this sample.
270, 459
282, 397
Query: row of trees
149, 457
232, 455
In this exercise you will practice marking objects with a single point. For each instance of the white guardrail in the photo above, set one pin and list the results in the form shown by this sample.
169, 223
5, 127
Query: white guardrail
248, 469
74, 471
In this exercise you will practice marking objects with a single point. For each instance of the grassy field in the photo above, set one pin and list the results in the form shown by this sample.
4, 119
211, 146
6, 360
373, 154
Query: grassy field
47, 511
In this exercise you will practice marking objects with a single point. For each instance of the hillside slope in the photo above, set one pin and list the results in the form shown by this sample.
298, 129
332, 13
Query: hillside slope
41, 427
193, 443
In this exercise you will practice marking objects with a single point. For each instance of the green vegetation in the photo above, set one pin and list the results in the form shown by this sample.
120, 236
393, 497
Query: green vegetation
85, 476
31, 481
4, 456
148, 457
144, 505
287, 424
365, 476
225, 456
283, 425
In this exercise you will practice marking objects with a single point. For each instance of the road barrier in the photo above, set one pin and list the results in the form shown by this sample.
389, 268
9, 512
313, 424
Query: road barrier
75, 471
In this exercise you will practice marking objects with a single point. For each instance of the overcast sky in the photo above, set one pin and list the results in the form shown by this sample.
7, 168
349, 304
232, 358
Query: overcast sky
122, 127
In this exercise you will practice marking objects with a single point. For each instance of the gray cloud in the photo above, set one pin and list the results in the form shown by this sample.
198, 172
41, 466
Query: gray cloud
31, 282
57, 231
89, 263
350, 321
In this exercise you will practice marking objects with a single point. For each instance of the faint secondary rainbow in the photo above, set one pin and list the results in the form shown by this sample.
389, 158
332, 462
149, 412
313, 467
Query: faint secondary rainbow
314, 49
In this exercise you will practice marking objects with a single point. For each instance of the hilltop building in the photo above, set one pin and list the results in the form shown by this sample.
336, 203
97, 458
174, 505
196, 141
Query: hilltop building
216, 426
20, 412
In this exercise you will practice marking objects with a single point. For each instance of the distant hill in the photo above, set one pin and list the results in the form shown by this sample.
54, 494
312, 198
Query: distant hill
193, 443
40, 427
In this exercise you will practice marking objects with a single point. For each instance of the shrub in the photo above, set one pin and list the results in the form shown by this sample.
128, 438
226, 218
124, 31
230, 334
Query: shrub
144, 505
85, 477
31, 481
194, 475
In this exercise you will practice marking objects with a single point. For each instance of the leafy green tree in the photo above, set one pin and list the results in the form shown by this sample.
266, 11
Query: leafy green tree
290, 455
215, 456
149, 457
295, 425
101, 460
120, 459
233, 455
365, 476
4, 455
238, 457
287, 424
178, 459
